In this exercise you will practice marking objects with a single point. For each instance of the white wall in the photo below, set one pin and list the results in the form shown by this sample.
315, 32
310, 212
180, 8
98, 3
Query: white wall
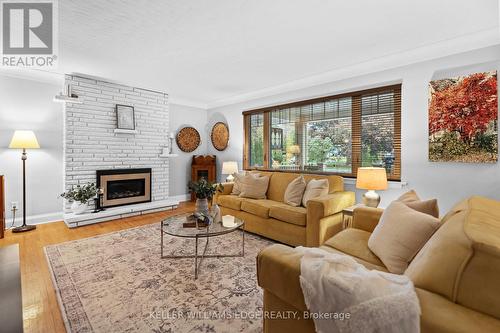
26, 104
449, 182
180, 167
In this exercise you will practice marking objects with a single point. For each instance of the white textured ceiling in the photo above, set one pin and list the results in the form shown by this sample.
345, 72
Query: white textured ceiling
207, 51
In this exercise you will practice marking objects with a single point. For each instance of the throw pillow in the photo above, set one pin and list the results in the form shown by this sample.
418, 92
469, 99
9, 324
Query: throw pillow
428, 207
315, 188
254, 187
412, 200
237, 181
400, 234
409, 196
294, 191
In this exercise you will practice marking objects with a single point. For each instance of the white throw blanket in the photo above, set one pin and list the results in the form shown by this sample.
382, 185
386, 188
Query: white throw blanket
335, 287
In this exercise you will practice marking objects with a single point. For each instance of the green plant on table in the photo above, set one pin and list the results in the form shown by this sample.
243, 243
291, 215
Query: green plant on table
81, 193
203, 189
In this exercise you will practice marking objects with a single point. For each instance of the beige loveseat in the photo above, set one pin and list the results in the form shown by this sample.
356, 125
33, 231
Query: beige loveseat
274, 219
456, 274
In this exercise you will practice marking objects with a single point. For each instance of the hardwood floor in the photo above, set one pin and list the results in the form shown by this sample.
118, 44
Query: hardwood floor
40, 307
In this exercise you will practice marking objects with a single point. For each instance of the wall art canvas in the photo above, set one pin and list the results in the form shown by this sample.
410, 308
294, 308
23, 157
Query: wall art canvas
463, 119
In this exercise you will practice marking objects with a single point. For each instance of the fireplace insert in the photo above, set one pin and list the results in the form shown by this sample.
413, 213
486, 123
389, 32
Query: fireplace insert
124, 187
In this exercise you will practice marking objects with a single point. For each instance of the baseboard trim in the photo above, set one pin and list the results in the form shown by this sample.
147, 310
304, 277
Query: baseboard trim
35, 219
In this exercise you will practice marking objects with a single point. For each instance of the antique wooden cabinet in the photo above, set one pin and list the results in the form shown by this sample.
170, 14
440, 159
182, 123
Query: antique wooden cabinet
203, 166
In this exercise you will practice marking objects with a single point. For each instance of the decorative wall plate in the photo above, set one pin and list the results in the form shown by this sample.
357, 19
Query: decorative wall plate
188, 139
220, 136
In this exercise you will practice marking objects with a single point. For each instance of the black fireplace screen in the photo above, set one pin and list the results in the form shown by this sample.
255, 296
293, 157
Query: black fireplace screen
127, 188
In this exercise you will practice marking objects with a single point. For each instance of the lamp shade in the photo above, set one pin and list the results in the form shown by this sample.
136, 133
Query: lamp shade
24, 140
228, 168
371, 179
294, 149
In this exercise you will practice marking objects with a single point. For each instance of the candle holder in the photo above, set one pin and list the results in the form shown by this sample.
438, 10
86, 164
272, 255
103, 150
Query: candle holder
98, 201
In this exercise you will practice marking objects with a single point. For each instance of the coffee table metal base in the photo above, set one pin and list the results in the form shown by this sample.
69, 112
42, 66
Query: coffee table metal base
199, 258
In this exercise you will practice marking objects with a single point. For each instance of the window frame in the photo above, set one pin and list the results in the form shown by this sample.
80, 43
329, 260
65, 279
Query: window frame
356, 128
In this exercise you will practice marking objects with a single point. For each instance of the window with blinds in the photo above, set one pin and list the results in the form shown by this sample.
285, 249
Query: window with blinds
335, 134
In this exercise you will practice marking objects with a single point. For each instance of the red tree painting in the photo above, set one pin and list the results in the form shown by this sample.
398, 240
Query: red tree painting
463, 118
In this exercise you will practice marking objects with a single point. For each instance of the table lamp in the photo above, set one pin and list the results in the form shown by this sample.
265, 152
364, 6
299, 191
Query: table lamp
371, 179
228, 168
294, 149
24, 140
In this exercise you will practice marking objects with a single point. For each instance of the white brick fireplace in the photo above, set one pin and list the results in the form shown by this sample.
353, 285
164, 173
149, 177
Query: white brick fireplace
91, 142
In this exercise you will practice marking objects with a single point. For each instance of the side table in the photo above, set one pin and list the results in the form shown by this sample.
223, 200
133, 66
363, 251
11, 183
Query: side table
347, 215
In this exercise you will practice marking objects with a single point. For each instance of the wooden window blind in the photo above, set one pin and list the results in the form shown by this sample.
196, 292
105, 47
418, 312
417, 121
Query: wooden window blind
334, 134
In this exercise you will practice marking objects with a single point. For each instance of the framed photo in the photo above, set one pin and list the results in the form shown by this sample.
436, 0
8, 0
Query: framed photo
125, 117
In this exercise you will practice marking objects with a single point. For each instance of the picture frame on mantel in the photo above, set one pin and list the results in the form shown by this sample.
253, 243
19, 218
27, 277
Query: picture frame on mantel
125, 117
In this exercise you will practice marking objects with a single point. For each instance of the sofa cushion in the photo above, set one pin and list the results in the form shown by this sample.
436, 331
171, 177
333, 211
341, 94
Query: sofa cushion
400, 234
365, 263
354, 242
295, 191
409, 196
254, 187
315, 188
289, 214
428, 207
335, 183
237, 182
280, 180
278, 184
258, 207
412, 200
230, 201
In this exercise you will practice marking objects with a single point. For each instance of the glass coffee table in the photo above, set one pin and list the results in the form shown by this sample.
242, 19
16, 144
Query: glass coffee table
173, 226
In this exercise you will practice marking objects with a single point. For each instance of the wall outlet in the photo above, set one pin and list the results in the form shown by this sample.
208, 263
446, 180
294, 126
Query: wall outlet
14, 205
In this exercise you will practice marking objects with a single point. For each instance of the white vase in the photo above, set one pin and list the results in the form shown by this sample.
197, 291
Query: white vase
78, 207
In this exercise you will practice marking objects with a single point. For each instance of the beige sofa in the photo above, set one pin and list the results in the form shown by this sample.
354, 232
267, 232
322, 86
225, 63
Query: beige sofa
274, 219
456, 274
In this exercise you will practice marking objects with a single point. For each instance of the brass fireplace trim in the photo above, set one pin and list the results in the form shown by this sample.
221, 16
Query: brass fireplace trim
125, 201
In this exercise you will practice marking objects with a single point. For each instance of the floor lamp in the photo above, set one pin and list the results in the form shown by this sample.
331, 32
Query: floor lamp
24, 140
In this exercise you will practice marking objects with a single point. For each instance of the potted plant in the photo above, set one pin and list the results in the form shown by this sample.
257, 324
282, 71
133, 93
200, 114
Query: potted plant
80, 195
204, 191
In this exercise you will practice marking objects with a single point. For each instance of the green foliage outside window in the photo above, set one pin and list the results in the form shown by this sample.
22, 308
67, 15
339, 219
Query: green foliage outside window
319, 149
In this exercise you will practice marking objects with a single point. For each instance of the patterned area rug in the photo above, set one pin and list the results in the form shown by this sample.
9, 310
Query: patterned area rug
118, 283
